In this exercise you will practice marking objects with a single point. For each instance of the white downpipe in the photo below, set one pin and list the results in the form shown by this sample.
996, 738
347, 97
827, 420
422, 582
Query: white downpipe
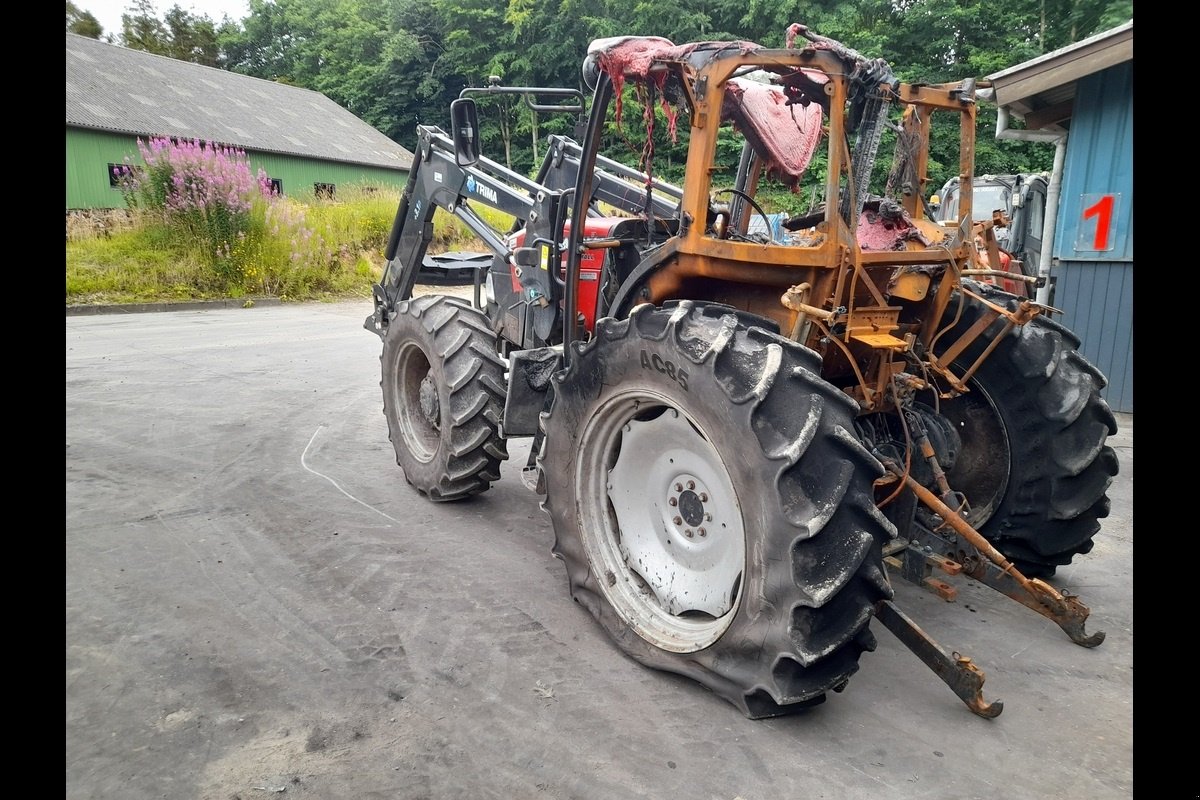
1053, 190
1052, 194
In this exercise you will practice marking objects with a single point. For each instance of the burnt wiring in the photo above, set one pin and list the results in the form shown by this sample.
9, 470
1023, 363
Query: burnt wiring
908, 445
930, 380
957, 316
903, 178
957, 313
828, 336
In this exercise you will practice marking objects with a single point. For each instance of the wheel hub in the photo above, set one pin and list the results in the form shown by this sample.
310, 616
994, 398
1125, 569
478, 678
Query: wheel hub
691, 507
428, 397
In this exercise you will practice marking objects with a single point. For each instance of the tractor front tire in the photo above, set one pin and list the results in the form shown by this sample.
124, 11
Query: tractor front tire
713, 505
1034, 464
443, 396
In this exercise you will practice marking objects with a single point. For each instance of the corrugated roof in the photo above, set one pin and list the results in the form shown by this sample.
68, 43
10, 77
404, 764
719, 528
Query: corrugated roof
129, 91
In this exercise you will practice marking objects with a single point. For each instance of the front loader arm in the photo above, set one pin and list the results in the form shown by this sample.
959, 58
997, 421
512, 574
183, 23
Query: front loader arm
437, 181
613, 183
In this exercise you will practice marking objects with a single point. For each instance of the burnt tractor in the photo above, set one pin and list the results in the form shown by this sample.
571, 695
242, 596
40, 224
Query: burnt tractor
741, 422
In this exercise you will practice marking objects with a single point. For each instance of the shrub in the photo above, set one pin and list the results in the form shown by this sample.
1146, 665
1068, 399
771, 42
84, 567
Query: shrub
204, 190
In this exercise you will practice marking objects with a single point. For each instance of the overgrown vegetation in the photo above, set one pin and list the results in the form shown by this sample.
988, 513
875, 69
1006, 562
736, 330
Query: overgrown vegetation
399, 63
200, 227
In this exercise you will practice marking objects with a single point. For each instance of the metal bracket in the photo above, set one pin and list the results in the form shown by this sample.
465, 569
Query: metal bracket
990, 567
1064, 609
956, 670
916, 563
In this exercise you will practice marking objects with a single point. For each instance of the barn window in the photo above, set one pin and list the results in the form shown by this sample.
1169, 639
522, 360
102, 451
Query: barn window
117, 171
325, 190
276, 185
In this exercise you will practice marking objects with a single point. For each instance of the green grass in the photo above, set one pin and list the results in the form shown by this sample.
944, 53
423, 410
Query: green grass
143, 264
319, 250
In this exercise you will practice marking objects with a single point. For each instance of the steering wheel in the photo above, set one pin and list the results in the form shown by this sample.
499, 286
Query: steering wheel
754, 205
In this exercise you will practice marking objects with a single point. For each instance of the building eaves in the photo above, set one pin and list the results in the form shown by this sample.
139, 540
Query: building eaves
1018, 86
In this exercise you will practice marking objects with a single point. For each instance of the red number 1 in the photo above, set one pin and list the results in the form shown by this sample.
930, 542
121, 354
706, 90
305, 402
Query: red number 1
1102, 210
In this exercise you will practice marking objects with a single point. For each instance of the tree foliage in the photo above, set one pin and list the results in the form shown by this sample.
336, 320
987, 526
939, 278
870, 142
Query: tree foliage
83, 22
178, 34
398, 63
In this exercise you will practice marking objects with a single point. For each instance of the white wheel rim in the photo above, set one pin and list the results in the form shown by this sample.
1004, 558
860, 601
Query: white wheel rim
421, 432
661, 519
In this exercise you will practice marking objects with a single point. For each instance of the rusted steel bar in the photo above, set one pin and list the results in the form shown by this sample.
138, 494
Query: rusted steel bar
798, 296
1066, 611
1071, 615
794, 299
957, 671
999, 273
915, 565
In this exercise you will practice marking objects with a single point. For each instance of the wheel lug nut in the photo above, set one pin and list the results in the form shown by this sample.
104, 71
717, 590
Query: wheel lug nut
703, 497
688, 533
691, 484
703, 532
673, 501
708, 517
678, 520
679, 487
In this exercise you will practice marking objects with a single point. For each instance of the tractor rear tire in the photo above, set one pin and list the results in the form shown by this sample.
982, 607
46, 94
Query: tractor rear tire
1034, 463
443, 396
713, 505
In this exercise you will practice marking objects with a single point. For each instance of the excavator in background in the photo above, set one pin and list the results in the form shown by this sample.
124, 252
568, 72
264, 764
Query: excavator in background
1016, 207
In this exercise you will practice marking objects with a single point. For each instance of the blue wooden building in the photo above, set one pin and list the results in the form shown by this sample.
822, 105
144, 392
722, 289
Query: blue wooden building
1080, 98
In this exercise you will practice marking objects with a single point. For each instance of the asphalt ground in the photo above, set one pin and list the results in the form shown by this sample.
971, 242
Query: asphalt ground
258, 605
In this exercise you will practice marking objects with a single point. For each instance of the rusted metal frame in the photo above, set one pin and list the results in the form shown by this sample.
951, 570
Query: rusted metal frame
966, 167
988, 232
707, 105
694, 265
867, 324
706, 121
916, 130
908, 258
862, 381
939, 95
885, 368
796, 298
777, 60
941, 300
956, 670
821, 256
999, 273
966, 161
1066, 611
1024, 313
836, 228
859, 271
1026, 309
916, 563
964, 341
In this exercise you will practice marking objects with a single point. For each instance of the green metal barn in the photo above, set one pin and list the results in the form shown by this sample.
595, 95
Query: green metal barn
305, 142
